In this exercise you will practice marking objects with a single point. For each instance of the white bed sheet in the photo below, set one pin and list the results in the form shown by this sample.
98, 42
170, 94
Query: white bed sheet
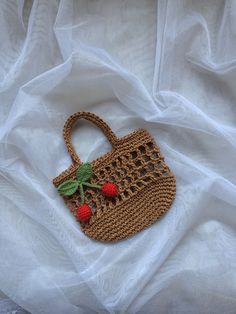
167, 66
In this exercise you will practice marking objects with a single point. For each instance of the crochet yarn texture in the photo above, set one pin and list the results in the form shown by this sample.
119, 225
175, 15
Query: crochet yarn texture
145, 185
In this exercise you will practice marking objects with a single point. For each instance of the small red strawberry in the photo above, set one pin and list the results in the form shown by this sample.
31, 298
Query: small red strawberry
84, 212
109, 190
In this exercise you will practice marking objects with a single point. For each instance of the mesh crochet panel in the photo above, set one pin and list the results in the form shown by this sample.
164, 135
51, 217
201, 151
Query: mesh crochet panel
138, 169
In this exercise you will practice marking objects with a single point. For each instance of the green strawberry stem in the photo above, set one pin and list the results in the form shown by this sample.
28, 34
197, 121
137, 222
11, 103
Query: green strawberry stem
81, 190
92, 185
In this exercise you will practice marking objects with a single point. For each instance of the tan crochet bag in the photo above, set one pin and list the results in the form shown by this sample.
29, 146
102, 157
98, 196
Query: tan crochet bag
141, 188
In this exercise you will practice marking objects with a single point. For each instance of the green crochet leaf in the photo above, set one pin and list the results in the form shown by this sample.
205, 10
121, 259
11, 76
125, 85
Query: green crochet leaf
84, 172
68, 187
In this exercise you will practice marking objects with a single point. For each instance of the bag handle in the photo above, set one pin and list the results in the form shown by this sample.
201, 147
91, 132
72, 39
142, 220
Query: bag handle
90, 117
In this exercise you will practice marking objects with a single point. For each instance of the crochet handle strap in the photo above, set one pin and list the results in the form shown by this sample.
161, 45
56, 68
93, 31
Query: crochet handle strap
90, 117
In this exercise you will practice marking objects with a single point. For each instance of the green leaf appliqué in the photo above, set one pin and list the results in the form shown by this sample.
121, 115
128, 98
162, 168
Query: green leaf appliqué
84, 172
68, 187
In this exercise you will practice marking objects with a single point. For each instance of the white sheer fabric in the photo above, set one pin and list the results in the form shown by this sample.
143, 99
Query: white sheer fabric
168, 67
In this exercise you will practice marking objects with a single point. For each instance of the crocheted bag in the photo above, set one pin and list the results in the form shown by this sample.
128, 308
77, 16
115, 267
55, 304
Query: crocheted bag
120, 193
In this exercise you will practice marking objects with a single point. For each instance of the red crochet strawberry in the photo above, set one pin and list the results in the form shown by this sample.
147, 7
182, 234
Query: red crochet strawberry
84, 212
109, 190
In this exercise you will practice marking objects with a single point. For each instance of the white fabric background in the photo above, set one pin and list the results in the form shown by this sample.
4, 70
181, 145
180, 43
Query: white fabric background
169, 67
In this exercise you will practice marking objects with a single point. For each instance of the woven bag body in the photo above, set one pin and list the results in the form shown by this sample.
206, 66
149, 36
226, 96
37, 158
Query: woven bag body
145, 183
